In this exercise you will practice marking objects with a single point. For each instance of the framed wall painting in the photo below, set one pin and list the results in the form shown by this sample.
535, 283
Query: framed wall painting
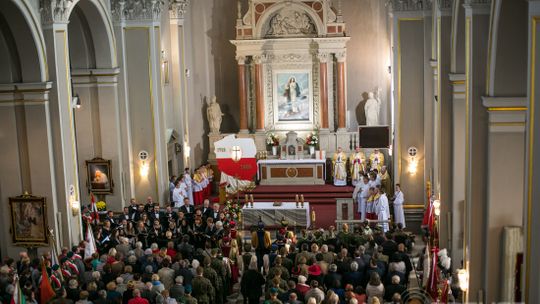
29, 221
293, 96
99, 176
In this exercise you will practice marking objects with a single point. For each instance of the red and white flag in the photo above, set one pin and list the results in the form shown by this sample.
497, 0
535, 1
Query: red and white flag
90, 248
236, 172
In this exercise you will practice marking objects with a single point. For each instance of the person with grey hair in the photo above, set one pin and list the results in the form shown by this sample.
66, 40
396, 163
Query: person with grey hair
353, 277
395, 288
177, 291
252, 282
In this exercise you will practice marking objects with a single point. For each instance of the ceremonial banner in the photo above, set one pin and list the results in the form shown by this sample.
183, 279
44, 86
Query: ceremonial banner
233, 172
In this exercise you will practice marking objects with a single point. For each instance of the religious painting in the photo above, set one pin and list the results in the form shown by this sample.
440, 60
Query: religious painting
28, 220
293, 99
99, 176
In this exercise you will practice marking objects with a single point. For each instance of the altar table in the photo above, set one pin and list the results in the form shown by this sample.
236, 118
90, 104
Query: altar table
272, 215
291, 172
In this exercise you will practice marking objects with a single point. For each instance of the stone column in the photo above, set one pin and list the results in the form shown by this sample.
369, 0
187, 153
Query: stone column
476, 33
140, 84
532, 177
323, 83
458, 160
259, 92
341, 91
242, 93
65, 172
506, 143
177, 12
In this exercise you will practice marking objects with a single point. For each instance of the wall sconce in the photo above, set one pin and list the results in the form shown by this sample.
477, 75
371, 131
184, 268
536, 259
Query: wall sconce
75, 207
164, 67
76, 102
187, 150
463, 278
413, 162
437, 207
145, 168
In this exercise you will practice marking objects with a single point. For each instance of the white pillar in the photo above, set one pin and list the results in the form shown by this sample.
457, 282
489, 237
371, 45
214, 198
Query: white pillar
62, 127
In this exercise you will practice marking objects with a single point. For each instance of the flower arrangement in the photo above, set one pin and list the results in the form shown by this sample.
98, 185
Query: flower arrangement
233, 210
101, 206
312, 139
272, 140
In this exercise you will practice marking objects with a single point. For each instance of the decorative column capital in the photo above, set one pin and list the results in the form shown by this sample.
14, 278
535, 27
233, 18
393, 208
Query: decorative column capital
323, 57
341, 56
259, 59
55, 11
241, 59
125, 10
177, 8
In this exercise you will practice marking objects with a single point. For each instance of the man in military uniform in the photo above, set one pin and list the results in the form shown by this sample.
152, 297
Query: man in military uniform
215, 279
203, 290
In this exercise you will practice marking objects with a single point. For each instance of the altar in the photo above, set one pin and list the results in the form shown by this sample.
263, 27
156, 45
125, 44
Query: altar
272, 215
291, 171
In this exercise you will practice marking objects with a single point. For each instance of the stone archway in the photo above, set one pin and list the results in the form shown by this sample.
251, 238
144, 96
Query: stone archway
23, 113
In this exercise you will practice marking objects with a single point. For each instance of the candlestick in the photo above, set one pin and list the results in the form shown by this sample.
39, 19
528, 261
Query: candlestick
296, 198
302, 198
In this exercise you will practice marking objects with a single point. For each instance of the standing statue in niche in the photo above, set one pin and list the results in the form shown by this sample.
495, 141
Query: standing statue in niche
214, 116
372, 109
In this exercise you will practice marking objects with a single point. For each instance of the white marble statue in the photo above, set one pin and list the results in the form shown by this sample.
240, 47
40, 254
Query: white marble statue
214, 115
372, 109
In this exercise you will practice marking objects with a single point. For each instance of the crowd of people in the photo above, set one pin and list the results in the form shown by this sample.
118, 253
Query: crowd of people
191, 252
199, 257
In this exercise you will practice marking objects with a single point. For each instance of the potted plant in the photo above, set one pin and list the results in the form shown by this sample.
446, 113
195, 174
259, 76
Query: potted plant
273, 141
312, 140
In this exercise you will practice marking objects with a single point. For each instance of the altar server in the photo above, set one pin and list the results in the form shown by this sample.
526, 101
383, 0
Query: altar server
179, 193
198, 187
339, 165
188, 181
399, 198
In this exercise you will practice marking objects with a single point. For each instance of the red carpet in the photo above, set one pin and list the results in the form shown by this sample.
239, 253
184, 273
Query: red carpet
322, 198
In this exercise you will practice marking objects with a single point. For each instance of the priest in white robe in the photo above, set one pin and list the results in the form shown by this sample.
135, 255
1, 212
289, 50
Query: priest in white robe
399, 198
383, 210
339, 166
361, 194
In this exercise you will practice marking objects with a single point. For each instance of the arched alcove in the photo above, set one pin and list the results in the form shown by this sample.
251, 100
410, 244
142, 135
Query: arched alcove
22, 56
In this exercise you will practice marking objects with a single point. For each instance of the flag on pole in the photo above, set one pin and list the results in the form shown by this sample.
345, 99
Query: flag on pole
433, 280
429, 217
46, 291
18, 297
93, 208
90, 242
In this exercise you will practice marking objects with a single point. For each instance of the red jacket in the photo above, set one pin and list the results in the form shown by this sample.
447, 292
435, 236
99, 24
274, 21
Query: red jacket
138, 300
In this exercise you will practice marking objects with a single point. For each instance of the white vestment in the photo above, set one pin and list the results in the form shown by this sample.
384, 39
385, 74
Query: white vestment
178, 195
398, 208
361, 194
189, 187
383, 211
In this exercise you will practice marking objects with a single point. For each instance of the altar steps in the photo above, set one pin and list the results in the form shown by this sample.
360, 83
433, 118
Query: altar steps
322, 198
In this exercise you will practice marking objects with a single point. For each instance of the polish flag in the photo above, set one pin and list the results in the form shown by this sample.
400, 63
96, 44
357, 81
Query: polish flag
233, 172
90, 243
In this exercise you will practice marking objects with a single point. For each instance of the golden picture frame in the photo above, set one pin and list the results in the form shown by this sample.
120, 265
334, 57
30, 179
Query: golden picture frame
29, 221
98, 172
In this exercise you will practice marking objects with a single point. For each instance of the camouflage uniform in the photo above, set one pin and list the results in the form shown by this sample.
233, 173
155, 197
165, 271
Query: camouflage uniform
203, 290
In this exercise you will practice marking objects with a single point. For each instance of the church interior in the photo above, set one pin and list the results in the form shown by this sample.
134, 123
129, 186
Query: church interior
250, 129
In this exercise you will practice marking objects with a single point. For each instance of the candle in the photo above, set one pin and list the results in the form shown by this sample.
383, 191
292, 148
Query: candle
296, 198
246, 199
302, 198
251, 199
